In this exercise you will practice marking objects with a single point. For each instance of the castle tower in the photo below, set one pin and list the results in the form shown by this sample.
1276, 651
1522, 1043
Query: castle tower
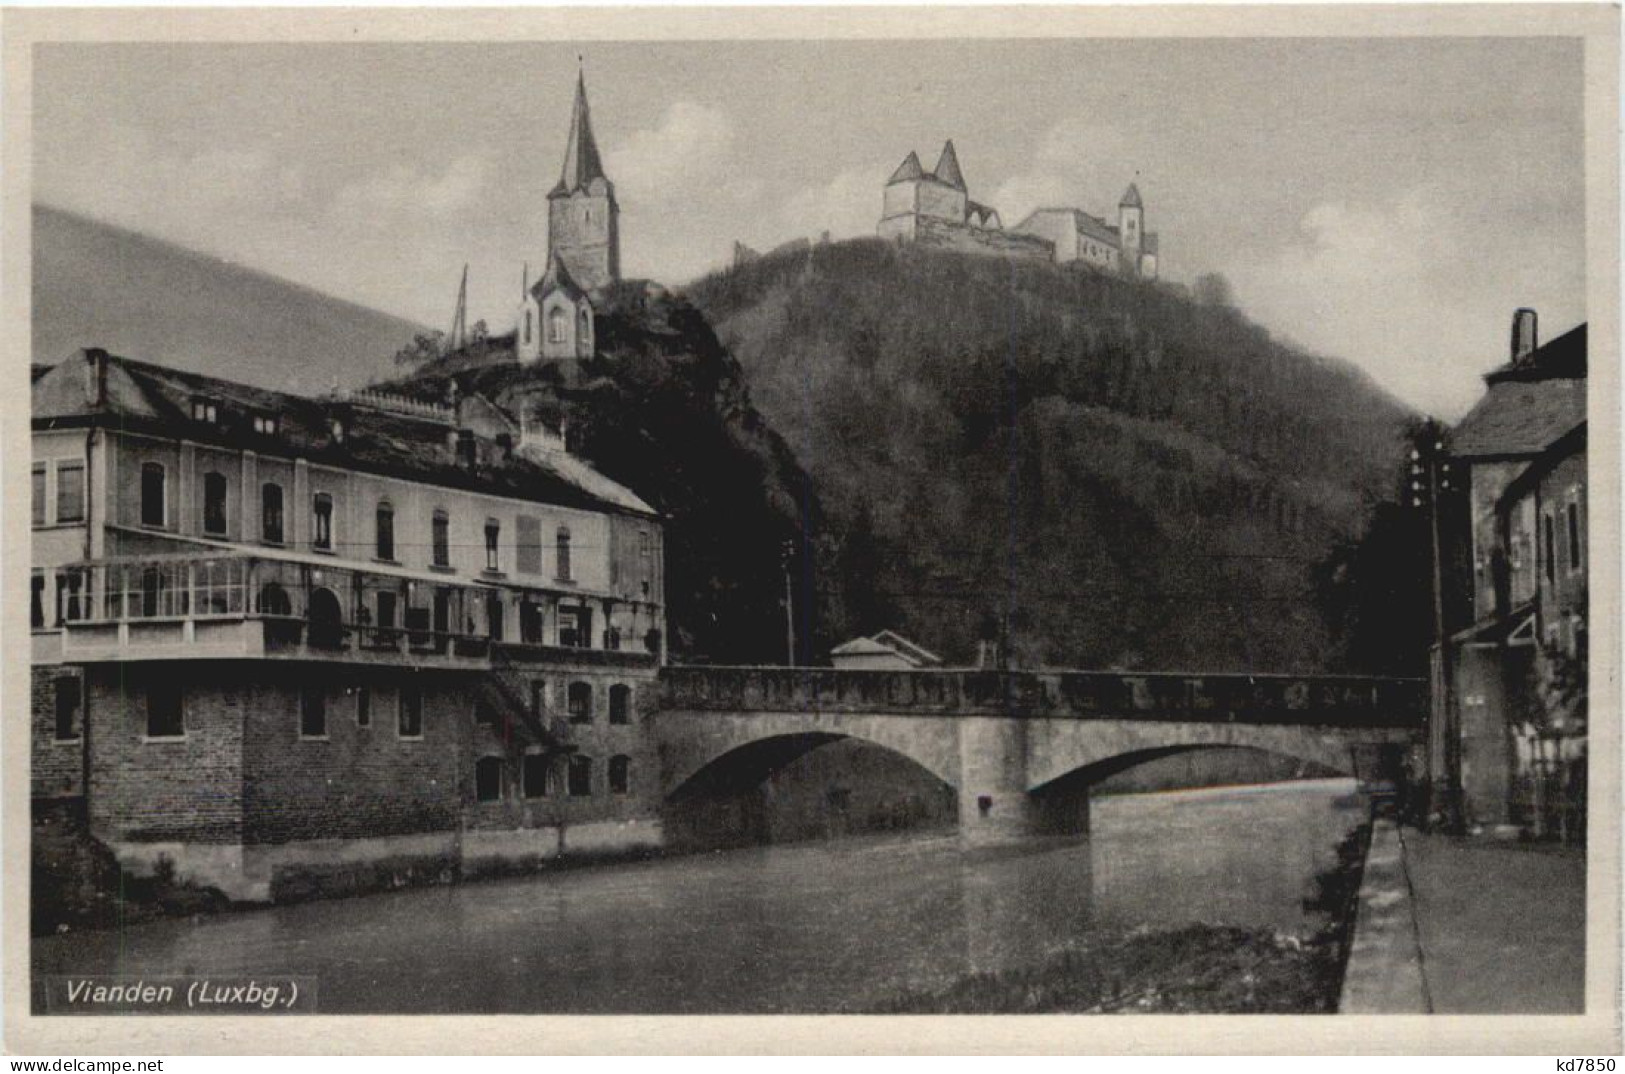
1131, 228
583, 220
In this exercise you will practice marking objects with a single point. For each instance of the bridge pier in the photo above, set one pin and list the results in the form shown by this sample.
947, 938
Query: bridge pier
995, 806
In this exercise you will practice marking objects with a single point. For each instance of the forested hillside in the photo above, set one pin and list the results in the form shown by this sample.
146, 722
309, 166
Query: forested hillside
1106, 471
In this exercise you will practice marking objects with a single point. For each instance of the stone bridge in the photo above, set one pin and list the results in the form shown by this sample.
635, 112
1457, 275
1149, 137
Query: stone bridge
1020, 749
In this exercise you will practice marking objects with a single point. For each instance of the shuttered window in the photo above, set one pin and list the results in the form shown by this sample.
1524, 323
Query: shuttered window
528, 545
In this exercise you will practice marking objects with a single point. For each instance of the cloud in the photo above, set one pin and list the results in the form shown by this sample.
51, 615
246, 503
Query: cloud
690, 148
847, 206
411, 190
1078, 163
1406, 288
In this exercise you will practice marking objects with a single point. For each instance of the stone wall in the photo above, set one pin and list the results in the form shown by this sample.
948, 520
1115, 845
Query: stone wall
57, 765
967, 239
584, 230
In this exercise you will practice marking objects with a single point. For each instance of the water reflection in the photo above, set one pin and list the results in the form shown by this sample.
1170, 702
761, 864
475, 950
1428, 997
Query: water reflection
811, 927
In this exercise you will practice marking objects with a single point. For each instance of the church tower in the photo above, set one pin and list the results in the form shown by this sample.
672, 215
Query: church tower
583, 220
1131, 228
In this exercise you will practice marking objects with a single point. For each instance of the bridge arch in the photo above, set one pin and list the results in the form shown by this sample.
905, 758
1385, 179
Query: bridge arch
751, 743
1078, 752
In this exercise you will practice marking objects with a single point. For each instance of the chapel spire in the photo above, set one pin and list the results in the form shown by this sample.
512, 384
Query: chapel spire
582, 163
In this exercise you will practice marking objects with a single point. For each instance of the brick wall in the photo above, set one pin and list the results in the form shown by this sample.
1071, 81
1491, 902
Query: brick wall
57, 769
357, 781
188, 788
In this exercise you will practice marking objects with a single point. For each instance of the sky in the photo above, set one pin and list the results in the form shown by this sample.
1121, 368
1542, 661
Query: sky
1385, 201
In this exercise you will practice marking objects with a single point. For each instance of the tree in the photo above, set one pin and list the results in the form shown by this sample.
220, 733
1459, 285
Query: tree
425, 347
1212, 289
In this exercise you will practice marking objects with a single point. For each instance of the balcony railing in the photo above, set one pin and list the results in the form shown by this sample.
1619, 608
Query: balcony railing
1220, 698
241, 605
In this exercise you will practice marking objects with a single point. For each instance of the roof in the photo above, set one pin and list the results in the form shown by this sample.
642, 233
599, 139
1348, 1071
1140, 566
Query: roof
581, 161
888, 643
157, 400
557, 278
1564, 356
1530, 404
947, 169
1520, 419
1565, 447
1131, 198
909, 169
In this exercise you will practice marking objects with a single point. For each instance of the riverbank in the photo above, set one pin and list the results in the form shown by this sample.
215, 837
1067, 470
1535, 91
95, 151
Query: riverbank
1197, 969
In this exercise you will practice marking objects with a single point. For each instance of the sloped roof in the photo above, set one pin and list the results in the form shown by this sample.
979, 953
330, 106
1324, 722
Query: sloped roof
888, 643
947, 169
1131, 198
146, 397
557, 278
909, 169
1521, 418
1530, 404
582, 163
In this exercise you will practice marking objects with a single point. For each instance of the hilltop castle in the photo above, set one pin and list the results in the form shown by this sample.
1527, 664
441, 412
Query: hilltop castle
555, 317
935, 207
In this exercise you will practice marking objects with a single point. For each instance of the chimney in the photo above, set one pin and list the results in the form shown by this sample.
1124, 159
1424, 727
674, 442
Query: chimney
466, 456
1525, 337
95, 376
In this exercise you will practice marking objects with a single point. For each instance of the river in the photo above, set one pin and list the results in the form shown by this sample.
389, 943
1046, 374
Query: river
798, 928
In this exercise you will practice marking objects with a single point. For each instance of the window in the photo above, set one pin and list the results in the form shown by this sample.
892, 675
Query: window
152, 592
528, 544
1550, 549
152, 494
312, 712
214, 504
580, 776
205, 410
39, 494
538, 696
580, 702
321, 522
557, 325
165, 710
493, 539
575, 628
363, 706
584, 326
527, 326
69, 586
67, 708
271, 513
36, 602
620, 703
386, 609
386, 530
70, 492
494, 614
488, 779
441, 538
1573, 516
410, 724
531, 623
337, 426
265, 424
536, 775
620, 774
561, 568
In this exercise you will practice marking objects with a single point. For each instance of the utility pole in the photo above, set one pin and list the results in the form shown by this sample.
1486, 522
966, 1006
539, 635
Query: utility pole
459, 320
1430, 476
787, 555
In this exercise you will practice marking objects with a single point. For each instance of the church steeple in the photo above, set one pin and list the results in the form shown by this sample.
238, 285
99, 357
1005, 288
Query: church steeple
583, 220
581, 161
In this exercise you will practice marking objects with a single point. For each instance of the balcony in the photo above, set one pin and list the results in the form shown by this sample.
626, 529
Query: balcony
236, 606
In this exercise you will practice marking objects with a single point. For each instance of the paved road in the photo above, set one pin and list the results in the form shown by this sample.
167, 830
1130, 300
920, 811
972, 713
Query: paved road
1502, 927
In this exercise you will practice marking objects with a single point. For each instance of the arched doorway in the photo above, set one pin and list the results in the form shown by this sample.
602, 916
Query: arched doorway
326, 620
273, 600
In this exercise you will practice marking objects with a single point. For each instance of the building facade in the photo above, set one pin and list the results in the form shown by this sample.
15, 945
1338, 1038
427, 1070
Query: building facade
1517, 674
934, 207
288, 643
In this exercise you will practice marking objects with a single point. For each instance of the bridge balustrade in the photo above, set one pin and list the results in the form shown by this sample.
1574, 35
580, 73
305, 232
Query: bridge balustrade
1223, 698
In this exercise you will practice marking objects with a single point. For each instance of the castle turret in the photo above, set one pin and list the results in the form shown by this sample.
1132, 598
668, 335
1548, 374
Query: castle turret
1131, 224
583, 219
947, 169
